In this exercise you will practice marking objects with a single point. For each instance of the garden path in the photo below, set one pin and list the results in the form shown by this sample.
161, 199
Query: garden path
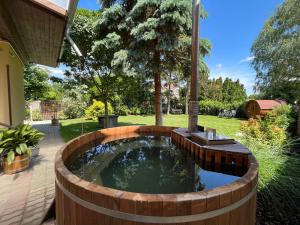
26, 197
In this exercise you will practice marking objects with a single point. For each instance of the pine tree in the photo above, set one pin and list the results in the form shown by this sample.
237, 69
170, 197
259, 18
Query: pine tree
151, 32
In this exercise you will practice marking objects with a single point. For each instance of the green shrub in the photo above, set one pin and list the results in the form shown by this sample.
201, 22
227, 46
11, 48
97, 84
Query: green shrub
27, 113
135, 111
123, 110
37, 115
213, 107
271, 130
61, 116
73, 108
97, 109
147, 109
279, 182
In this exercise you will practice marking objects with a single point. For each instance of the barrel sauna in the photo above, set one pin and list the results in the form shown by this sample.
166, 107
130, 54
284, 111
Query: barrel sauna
83, 203
255, 108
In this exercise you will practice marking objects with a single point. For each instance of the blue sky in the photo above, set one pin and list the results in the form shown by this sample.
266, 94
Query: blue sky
232, 26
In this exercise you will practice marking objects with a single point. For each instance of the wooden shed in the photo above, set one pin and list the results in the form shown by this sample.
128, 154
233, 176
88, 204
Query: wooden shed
256, 108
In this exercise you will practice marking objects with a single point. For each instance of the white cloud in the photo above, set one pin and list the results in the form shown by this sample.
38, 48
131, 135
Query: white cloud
219, 66
248, 59
52, 70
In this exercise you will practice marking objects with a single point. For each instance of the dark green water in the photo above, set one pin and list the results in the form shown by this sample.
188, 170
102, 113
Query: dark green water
145, 164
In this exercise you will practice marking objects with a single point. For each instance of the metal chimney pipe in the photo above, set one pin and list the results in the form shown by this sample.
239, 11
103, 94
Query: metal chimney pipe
193, 102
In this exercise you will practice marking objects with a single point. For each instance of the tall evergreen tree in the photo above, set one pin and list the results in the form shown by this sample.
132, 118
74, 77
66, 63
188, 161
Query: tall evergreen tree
151, 32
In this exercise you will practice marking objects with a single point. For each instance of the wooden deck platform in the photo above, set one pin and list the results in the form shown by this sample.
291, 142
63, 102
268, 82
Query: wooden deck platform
224, 144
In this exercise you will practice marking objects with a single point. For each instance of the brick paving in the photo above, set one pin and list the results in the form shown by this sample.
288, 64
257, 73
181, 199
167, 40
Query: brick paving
25, 197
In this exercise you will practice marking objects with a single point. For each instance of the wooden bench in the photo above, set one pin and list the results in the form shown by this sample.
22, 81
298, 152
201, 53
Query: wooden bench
176, 111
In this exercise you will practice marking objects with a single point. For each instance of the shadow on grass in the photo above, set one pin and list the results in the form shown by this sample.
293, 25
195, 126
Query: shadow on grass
121, 124
279, 198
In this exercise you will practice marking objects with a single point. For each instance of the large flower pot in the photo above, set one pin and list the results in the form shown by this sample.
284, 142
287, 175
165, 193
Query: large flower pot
19, 164
35, 151
55, 122
112, 121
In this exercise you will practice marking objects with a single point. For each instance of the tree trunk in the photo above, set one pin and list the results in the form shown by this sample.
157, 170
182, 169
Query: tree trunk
158, 104
106, 114
298, 122
157, 87
187, 96
169, 99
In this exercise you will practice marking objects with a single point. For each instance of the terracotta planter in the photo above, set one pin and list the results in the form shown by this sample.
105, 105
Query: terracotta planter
19, 164
35, 151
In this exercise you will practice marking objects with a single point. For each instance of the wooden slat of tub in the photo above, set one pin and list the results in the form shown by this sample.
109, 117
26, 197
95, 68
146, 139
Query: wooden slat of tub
218, 157
183, 206
169, 205
225, 200
85, 215
72, 146
212, 203
128, 205
198, 206
239, 159
228, 159
142, 207
189, 148
235, 196
58, 205
247, 188
209, 155
155, 205
252, 210
244, 215
202, 154
197, 152
108, 199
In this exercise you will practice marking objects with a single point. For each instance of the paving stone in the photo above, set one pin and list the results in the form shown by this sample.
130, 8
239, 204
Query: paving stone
33, 190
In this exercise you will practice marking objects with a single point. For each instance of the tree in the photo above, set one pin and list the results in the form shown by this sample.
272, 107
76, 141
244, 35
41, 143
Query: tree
151, 33
35, 82
276, 54
158, 29
94, 69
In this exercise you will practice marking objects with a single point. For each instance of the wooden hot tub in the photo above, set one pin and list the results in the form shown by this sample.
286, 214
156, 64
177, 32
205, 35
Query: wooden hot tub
79, 202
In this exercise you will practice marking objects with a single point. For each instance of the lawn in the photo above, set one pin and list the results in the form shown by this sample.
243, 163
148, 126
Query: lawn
229, 127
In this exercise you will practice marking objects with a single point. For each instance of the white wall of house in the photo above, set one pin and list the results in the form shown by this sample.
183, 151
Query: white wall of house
12, 106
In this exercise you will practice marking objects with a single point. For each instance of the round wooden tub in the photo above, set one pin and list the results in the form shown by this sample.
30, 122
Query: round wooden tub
83, 203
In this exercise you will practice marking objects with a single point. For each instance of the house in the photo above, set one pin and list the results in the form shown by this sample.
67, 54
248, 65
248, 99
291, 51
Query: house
30, 31
173, 88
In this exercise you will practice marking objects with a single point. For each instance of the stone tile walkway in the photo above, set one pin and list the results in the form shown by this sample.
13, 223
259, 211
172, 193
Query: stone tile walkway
25, 197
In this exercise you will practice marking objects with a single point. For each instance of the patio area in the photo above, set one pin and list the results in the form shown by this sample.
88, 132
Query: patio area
26, 197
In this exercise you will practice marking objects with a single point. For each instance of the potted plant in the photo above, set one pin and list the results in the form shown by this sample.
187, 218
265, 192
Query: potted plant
54, 121
32, 138
15, 153
17, 146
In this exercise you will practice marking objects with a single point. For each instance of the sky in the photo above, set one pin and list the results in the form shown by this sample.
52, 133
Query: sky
232, 26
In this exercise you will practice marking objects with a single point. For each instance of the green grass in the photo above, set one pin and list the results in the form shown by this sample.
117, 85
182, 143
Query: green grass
229, 127
278, 186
